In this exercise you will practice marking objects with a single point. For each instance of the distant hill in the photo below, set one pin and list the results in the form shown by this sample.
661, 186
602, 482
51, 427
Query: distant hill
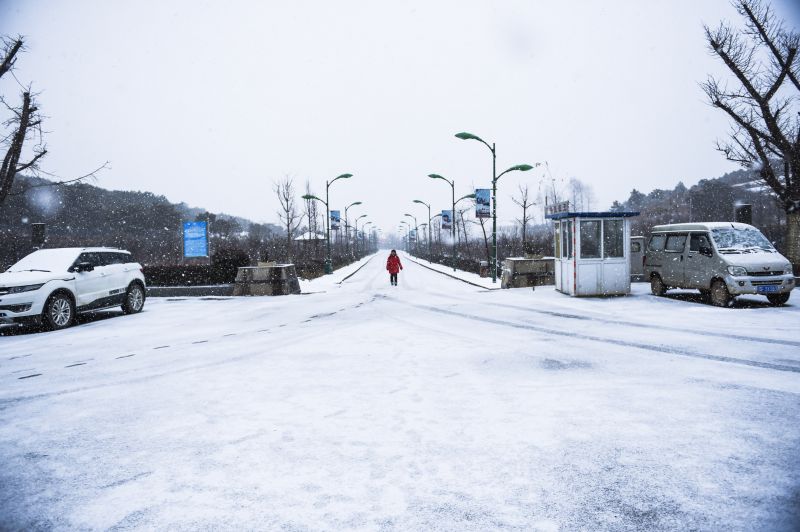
82, 214
709, 200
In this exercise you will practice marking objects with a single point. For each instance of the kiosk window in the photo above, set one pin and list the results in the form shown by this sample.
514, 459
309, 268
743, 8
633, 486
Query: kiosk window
558, 239
590, 239
613, 239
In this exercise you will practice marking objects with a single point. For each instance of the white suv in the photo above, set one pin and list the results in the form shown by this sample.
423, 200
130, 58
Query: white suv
51, 285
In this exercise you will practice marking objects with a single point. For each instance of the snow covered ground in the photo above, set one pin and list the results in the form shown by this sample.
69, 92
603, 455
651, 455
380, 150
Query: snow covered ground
431, 405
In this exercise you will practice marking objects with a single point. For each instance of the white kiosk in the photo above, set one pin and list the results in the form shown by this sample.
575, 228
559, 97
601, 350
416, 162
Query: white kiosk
592, 252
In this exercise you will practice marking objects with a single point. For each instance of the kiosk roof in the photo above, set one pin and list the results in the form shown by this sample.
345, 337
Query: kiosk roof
621, 214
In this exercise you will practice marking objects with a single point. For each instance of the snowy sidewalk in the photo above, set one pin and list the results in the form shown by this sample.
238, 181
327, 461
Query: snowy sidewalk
334, 280
461, 275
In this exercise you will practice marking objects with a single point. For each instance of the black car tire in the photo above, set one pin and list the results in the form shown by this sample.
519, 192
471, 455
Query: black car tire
720, 296
776, 300
134, 299
657, 286
58, 312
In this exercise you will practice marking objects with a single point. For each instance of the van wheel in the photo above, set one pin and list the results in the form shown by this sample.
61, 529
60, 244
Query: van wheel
134, 299
657, 286
720, 296
776, 300
59, 312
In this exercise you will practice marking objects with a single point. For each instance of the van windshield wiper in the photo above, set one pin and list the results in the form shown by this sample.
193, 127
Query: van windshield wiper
32, 270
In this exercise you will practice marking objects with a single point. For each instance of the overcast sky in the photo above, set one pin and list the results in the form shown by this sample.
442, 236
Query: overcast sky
211, 102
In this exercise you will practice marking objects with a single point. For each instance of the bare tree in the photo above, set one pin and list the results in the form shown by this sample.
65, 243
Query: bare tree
312, 215
289, 216
762, 104
525, 200
581, 195
482, 222
23, 126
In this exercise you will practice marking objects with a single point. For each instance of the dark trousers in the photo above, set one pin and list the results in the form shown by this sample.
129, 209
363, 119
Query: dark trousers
393, 278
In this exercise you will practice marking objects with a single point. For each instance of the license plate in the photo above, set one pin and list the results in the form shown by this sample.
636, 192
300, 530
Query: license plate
766, 289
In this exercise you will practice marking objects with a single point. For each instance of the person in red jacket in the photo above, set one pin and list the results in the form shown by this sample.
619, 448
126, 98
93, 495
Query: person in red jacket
394, 267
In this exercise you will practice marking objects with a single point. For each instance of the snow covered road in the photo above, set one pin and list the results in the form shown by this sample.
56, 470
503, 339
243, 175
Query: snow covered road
431, 405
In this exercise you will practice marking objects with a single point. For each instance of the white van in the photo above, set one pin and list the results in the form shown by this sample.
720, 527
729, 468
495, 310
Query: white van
721, 259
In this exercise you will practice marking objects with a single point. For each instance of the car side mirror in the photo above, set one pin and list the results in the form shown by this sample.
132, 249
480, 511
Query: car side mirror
84, 267
705, 250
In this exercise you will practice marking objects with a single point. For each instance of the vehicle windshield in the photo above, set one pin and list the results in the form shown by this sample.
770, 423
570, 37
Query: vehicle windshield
46, 260
740, 240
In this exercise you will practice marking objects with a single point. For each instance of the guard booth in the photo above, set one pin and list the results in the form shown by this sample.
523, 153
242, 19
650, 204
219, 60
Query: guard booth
592, 252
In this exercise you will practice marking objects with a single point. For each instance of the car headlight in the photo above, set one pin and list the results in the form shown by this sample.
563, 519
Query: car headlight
789, 270
737, 271
26, 288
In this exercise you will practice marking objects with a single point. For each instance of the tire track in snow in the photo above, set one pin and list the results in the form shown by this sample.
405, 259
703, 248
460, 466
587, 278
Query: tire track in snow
612, 341
756, 339
727, 336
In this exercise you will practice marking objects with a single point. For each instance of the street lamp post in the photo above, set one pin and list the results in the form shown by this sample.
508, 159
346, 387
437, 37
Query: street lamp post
356, 242
467, 196
495, 177
347, 227
422, 226
416, 232
439, 237
429, 226
408, 232
328, 262
452, 213
368, 244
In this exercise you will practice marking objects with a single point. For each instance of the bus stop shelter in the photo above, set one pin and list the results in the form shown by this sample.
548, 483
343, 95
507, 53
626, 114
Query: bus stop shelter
592, 252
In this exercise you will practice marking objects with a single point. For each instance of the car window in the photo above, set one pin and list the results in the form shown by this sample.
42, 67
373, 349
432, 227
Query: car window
124, 258
92, 258
109, 257
676, 243
657, 242
697, 241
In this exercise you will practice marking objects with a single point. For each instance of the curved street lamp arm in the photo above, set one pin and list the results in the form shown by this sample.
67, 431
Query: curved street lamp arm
343, 176
437, 176
468, 196
470, 136
313, 197
518, 168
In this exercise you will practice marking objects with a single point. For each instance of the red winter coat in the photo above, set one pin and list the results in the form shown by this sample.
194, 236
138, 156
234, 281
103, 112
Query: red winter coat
393, 264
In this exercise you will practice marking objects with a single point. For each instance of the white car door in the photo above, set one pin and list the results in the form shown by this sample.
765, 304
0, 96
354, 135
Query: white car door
115, 266
89, 285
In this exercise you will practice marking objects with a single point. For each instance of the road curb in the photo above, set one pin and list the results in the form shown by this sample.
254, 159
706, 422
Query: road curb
358, 269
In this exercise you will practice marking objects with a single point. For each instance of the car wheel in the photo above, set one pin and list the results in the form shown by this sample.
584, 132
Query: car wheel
134, 299
59, 312
720, 296
776, 300
657, 286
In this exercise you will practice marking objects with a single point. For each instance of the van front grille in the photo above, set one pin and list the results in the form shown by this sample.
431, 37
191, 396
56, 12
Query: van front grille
766, 283
763, 274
